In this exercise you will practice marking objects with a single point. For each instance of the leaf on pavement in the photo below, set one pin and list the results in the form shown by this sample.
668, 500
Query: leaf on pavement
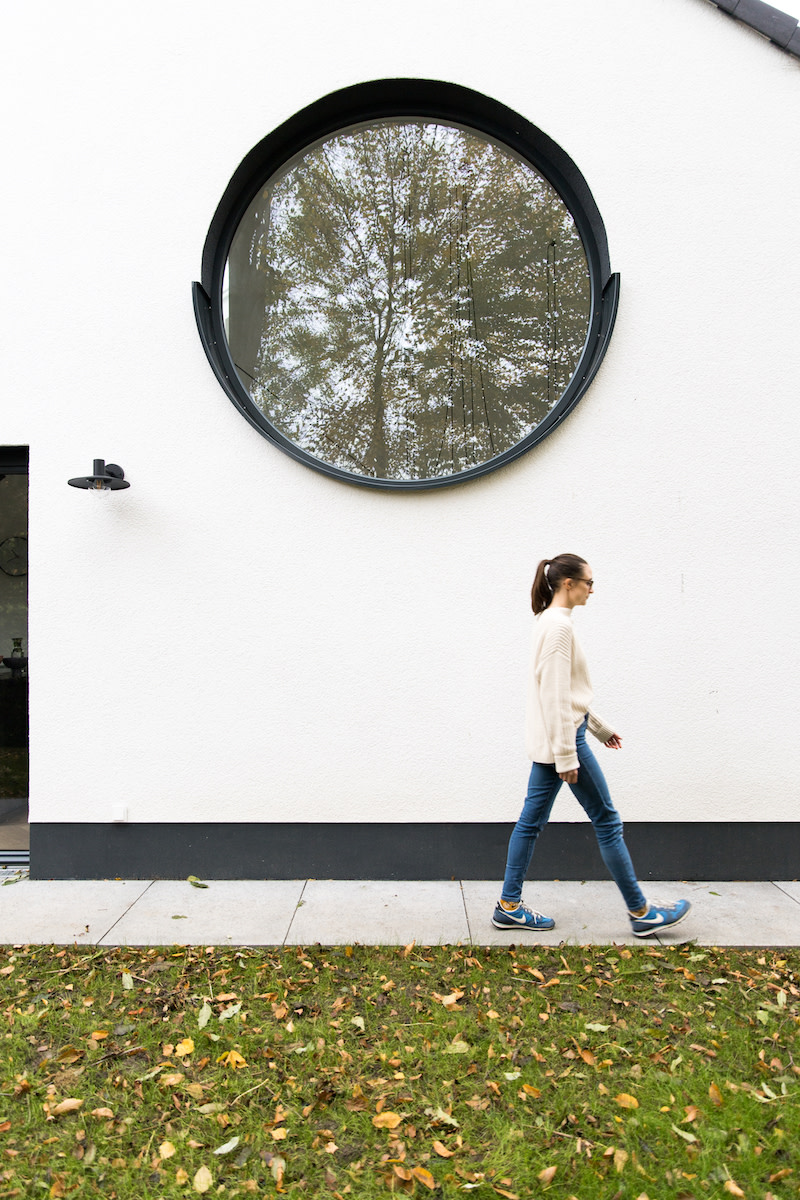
195, 882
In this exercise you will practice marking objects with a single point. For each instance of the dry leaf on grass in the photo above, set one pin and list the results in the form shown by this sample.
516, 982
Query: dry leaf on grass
387, 1120
423, 1176
202, 1180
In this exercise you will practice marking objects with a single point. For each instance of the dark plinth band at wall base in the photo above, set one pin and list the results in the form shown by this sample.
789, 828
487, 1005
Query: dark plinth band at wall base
704, 850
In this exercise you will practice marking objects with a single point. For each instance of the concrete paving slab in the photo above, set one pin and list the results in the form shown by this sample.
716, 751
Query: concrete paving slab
585, 913
226, 913
379, 913
791, 888
735, 914
63, 911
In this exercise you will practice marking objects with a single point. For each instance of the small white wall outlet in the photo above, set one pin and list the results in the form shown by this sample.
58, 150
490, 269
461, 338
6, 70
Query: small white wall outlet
119, 815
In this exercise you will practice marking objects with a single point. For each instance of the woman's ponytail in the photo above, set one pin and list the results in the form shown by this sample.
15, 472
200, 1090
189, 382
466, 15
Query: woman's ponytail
550, 574
542, 591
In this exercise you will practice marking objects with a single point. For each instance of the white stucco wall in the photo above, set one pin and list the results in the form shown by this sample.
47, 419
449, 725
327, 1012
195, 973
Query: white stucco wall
240, 638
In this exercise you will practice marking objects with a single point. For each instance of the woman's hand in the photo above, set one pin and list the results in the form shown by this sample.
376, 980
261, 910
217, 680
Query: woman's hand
614, 742
569, 776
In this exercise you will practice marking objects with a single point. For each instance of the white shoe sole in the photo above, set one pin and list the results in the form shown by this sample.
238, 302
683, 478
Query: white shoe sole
658, 928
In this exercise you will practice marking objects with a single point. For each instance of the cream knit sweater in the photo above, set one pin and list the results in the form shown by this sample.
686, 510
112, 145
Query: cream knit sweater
559, 692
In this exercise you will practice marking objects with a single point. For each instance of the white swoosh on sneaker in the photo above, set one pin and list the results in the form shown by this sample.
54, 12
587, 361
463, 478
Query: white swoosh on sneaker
659, 920
519, 920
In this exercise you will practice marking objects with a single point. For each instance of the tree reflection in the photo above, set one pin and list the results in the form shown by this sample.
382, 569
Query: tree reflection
407, 300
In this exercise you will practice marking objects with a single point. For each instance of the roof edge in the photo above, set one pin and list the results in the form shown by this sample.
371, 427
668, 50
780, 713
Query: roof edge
780, 28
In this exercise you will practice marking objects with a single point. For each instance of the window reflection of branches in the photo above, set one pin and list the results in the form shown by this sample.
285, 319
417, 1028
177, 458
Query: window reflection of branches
419, 297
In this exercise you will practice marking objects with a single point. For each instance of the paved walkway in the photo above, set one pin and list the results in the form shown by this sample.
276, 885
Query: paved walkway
335, 912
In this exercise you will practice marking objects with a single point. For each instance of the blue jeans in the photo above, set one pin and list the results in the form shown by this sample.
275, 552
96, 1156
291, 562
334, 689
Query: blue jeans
593, 795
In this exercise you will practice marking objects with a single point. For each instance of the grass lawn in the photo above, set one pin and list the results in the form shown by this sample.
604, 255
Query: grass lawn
351, 1071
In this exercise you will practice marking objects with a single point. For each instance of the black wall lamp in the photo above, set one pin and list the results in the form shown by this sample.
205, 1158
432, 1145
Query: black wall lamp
107, 477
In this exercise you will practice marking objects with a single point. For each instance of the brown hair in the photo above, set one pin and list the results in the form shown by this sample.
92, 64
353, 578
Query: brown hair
550, 574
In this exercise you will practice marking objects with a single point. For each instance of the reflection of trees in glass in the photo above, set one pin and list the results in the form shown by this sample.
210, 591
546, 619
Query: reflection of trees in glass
407, 300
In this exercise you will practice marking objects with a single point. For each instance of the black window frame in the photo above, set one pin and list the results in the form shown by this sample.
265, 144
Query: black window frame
435, 101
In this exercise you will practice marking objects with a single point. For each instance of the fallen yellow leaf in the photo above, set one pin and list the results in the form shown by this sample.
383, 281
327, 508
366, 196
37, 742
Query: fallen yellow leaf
67, 1106
715, 1094
620, 1158
185, 1047
588, 1057
166, 1150
546, 1176
99, 1034
171, 1080
442, 1150
102, 1114
180, 1176
530, 1090
202, 1180
232, 1059
279, 1134
423, 1176
731, 1186
625, 1100
387, 1120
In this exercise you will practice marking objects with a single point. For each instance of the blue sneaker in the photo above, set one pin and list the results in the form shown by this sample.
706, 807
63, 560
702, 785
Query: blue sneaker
659, 917
520, 918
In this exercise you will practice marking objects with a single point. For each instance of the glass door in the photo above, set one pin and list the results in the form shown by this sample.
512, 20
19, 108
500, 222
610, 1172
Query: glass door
14, 829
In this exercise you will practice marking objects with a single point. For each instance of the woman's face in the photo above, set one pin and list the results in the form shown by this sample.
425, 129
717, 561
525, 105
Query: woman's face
582, 586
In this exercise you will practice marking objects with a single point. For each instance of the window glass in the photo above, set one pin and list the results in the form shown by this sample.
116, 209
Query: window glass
406, 299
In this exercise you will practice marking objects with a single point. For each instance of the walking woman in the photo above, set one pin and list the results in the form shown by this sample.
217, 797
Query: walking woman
558, 715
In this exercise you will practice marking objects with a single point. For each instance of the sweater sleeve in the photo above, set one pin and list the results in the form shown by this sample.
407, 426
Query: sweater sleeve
598, 727
554, 670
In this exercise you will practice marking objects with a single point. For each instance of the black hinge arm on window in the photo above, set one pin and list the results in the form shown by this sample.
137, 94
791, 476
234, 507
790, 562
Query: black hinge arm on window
778, 26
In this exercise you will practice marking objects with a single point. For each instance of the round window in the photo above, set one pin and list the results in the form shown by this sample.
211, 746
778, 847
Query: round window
409, 299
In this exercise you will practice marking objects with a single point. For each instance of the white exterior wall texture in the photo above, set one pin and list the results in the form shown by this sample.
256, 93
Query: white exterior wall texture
239, 638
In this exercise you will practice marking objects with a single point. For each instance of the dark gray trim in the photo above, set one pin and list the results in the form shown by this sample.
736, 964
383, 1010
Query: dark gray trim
778, 26
467, 850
